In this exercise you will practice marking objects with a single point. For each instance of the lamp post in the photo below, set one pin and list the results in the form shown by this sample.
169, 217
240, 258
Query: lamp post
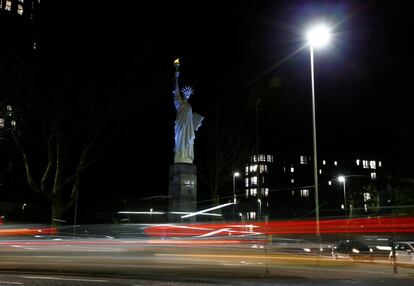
317, 36
260, 209
235, 174
151, 210
341, 179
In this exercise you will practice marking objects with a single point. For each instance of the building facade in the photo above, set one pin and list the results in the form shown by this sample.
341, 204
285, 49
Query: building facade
283, 187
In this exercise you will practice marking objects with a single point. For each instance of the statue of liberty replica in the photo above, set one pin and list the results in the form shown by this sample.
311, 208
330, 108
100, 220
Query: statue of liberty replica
183, 173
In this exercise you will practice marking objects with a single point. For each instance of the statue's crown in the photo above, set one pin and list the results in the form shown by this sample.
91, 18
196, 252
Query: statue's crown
187, 91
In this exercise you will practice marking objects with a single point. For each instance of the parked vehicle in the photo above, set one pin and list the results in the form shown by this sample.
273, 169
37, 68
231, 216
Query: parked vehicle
353, 250
404, 252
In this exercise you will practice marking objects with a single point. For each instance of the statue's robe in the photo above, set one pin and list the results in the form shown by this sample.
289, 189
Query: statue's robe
186, 124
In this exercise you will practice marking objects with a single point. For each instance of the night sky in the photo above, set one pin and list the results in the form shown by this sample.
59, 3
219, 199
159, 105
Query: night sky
231, 48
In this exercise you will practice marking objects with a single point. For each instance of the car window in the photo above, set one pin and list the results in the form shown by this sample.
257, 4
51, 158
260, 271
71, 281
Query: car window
401, 247
359, 245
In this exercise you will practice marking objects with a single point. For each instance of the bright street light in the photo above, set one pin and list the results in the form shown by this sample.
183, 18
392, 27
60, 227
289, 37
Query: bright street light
342, 180
235, 174
260, 208
317, 37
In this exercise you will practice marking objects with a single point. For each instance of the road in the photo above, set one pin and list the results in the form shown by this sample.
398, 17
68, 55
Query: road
184, 262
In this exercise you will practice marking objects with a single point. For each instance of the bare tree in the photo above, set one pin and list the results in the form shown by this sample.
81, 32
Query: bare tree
68, 148
230, 142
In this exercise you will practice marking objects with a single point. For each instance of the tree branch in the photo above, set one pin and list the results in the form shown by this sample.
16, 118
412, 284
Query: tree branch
48, 170
33, 185
59, 164
83, 164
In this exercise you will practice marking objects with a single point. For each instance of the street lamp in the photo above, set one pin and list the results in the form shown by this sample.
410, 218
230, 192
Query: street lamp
317, 36
342, 180
235, 174
260, 208
151, 210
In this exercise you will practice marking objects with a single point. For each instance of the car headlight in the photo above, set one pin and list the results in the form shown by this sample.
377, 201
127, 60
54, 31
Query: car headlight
354, 250
370, 250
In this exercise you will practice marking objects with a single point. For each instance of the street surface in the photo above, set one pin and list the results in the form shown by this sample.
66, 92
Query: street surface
182, 262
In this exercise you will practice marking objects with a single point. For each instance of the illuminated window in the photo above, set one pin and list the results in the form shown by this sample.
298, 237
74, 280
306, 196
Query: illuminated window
293, 193
1, 122
253, 192
303, 160
247, 193
292, 181
253, 168
330, 183
263, 168
320, 171
9, 108
367, 197
247, 182
8, 5
254, 158
252, 215
304, 193
284, 169
269, 158
372, 164
357, 162
379, 164
253, 180
335, 163
292, 169
266, 192
262, 158
323, 162
247, 170
365, 164
13, 123
20, 9
373, 175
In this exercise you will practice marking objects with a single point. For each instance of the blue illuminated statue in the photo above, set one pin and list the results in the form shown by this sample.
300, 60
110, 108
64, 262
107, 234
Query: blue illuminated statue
186, 122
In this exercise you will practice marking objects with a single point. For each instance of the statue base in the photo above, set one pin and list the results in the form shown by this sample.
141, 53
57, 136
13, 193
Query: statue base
182, 192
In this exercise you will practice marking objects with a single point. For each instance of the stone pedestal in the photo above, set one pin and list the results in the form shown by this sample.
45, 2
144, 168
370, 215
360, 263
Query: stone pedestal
182, 191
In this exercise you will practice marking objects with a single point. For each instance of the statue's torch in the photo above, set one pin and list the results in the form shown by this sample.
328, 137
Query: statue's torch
177, 65
177, 73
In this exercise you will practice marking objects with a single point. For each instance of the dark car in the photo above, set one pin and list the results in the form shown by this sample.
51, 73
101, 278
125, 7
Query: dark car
352, 249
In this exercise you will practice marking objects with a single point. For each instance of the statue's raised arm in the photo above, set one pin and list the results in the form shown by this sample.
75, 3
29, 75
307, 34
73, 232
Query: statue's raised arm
185, 126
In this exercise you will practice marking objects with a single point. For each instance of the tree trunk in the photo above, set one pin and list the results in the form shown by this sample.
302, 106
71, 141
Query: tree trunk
57, 212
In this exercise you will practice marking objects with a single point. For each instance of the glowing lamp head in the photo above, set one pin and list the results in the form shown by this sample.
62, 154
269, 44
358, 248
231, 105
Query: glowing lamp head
236, 174
318, 36
341, 179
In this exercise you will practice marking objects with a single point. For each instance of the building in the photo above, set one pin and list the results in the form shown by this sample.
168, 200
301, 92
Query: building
284, 188
253, 202
24, 8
